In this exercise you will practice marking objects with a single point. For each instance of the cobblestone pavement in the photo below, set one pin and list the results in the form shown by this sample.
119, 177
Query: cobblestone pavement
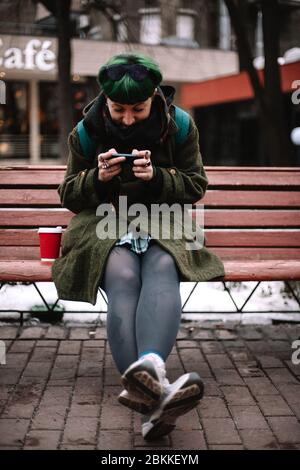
59, 388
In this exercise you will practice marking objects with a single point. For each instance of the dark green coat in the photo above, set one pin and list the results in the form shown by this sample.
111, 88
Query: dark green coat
78, 272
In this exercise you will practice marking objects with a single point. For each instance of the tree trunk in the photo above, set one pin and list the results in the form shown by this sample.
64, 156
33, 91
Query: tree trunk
64, 72
269, 98
242, 57
279, 145
245, 51
168, 18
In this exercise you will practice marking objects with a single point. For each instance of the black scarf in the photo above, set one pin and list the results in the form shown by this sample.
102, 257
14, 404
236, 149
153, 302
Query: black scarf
146, 134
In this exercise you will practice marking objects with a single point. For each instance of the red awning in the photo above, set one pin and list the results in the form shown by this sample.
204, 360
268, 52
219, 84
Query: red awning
232, 88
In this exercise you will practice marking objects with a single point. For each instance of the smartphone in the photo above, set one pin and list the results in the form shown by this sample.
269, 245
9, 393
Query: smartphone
129, 157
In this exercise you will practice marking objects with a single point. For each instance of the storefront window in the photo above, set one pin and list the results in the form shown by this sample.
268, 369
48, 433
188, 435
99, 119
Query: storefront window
14, 122
15, 117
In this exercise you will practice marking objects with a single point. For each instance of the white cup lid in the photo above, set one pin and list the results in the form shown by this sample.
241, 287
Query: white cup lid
50, 230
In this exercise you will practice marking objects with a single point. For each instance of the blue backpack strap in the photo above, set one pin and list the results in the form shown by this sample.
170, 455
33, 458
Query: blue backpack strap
182, 119
87, 144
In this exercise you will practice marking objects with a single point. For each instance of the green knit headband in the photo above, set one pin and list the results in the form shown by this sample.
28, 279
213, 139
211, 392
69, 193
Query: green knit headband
133, 83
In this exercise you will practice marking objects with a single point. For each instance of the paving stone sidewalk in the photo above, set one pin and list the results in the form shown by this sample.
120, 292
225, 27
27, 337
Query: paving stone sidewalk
59, 388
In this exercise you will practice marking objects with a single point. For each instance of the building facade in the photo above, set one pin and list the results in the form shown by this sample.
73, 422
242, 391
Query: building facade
168, 31
192, 40
224, 108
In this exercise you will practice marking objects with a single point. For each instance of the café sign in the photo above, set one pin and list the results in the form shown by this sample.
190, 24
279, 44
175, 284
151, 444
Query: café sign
36, 55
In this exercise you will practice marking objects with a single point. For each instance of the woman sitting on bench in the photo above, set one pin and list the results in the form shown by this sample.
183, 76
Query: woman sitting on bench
141, 273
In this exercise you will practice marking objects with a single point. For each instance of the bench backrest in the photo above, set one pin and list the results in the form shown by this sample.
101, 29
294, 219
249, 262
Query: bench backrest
250, 213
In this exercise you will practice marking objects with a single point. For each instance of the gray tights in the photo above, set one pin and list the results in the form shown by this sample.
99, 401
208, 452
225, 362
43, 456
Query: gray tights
144, 304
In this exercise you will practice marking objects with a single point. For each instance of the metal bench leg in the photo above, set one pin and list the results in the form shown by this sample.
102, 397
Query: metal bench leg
251, 293
100, 290
240, 309
292, 291
189, 296
92, 331
50, 309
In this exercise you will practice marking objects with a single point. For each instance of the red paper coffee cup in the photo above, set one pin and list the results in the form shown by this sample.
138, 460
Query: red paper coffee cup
50, 238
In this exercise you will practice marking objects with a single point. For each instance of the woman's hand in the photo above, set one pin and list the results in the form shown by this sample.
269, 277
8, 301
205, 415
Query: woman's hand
108, 166
142, 166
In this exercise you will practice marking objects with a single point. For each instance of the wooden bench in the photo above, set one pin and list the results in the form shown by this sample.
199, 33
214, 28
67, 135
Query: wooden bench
252, 221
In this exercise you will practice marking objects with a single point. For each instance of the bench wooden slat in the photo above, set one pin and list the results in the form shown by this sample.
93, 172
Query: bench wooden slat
256, 253
225, 198
239, 178
274, 199
29, 197
25, 270
34, 177
250, 218
212, 217
19, 237
29, 168
29, 252
35, 217
251, 169
20, 252
265, 270
249, 238
235, 177
288, 238
212, 168
229, 253
213, 238
213, 198
34, 271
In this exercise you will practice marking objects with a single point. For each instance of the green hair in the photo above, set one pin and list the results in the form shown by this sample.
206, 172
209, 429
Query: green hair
127, 90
